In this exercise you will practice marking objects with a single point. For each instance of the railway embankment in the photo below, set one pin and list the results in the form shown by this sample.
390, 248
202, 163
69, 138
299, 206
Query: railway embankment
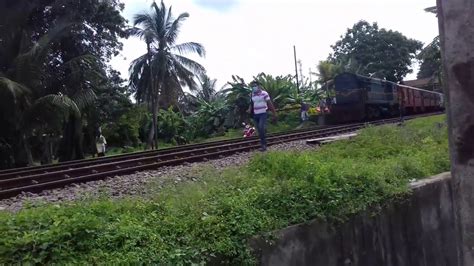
213, 219
417, 231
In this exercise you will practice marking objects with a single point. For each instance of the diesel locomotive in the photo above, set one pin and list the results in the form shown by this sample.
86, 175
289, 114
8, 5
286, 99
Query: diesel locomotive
360, 98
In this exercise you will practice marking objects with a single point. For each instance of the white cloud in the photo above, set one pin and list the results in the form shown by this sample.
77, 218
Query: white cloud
258, 35
220, 5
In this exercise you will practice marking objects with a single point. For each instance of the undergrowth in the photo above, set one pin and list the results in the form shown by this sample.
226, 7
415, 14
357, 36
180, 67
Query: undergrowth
212, 220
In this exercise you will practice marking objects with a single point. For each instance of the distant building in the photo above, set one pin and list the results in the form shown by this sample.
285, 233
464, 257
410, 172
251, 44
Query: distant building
431, 84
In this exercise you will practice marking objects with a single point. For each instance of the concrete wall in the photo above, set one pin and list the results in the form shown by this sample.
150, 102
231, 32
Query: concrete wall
456, 20
419, 231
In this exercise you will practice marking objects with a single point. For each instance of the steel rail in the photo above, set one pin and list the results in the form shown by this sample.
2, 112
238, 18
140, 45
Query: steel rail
17, 172
34, 181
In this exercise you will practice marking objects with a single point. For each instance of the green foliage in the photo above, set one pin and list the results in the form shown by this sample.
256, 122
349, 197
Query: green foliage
52, 59
209, 118
160, 29
158, 76
125, 132
281, 89
430, 59
131, 127
210, 221
327, 71
238, 98
378, 52
172, 127
287, 120
207, 89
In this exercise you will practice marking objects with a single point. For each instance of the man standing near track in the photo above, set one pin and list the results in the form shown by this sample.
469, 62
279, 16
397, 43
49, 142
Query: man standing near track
260, 103
101, 142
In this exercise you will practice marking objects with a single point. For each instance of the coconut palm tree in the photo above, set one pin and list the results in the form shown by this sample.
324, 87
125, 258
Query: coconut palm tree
206, 90
28, 103
327, 71
158, 76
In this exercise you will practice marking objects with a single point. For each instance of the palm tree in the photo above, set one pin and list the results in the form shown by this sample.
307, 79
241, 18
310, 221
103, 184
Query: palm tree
207, 89
238, 97
28, 103
279, 88
327, 71
159, 75
205, 92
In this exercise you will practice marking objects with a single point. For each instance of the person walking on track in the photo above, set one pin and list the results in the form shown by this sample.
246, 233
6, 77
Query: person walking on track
260, 103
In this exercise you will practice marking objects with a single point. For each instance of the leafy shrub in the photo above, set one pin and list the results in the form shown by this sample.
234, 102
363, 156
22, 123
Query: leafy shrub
172, 126
210, 118
211, 221
125, 132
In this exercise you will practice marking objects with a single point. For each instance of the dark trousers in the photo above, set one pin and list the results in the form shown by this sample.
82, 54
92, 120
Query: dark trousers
261, 122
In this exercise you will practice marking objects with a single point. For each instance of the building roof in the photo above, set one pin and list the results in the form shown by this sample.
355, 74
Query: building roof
420, 83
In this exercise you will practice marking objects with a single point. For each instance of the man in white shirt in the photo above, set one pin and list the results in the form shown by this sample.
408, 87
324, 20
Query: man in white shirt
101, 142
261, 102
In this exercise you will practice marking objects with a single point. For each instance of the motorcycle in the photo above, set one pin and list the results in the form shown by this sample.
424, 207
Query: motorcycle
249, 131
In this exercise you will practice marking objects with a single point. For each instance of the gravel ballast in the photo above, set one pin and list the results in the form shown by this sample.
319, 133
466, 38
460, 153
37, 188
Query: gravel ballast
139, 183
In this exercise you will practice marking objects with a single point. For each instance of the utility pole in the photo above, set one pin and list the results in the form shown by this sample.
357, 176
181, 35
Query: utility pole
296, 70
300, 64
456, 18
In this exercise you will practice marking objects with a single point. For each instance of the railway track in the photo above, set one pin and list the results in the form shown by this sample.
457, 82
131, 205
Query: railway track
85, 162
38, 178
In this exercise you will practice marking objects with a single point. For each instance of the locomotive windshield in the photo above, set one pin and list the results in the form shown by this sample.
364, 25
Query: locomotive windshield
347, 87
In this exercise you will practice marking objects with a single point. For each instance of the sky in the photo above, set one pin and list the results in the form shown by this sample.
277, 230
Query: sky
247, 37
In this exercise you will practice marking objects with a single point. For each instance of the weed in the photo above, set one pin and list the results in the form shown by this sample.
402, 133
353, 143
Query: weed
210, 221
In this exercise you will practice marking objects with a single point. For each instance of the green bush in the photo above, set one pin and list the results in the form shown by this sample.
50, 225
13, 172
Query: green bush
172, 127
211, 220
125, 132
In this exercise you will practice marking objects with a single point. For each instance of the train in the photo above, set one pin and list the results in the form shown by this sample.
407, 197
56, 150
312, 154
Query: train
360, 98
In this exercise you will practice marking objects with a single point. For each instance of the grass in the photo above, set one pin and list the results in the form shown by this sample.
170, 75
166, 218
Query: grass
288, 121
211, 220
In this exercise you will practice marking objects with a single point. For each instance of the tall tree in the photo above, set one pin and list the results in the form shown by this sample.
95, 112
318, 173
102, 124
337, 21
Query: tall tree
381, 53
27, 103
430, 56
50, 67
430, 59
206, 91
159, 75
94, 35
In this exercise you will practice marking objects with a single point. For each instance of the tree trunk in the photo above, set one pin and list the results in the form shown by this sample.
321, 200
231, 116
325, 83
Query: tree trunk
156, 118
71, 144
19, 154
47, 150
456, 20
6, 155
79, 140
151, 134
27, 148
